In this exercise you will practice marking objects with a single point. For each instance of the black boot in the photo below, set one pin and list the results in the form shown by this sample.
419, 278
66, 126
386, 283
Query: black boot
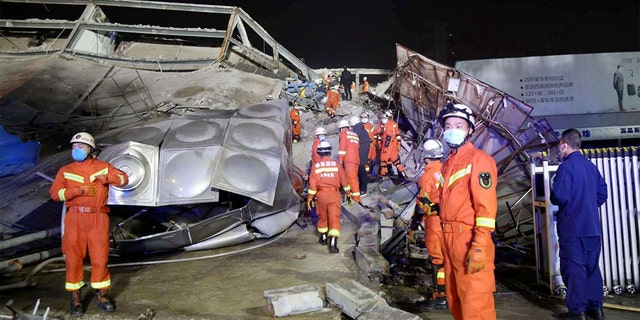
597, 314
103, 301
333, 245
323, 239
75, 307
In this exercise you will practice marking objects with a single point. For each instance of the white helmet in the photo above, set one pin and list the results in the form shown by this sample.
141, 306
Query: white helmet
432, 149
84, 138
320, 130
365, 78
387, 114
460, 111
324, 147
343, 124
354, 120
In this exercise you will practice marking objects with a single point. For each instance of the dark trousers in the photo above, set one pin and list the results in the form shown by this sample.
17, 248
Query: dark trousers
581, 273
363, 178
347, 91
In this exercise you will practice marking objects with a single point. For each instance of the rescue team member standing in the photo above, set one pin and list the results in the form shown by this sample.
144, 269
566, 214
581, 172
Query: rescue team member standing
468, 205
326, 177
84, 186
578, 191
427, 201
373, 152
364, 143
345, 80
390, 146
296, 126
349, 156
365, 86
333, 101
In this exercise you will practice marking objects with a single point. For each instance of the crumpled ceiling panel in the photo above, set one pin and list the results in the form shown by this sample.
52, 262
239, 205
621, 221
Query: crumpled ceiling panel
422, 87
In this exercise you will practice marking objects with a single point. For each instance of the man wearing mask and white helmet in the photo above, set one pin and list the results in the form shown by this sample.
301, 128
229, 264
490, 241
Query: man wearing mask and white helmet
468, 206
84, 187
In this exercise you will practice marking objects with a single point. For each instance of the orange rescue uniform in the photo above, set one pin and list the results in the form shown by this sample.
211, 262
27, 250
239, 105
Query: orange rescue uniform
349, 158
296, 126
333, 101
372, 146
429, 184
365, 86
468, 205
390, 147
86, 223
325, 179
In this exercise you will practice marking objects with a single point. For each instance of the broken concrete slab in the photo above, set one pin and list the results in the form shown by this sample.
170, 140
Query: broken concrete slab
371, 262
349, 295
293, 300
374, 310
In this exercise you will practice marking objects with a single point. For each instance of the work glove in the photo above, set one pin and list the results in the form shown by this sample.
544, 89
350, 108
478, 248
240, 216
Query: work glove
86, 190
347, 197
476, 258
102, 179
310, 203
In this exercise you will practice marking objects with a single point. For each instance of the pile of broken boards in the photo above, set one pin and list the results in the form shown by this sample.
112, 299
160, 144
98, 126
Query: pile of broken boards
383, 255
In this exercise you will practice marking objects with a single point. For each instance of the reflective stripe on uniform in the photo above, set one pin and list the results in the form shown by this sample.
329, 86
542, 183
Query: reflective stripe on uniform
459, 175
121, 179
73, 286
61, 194
102, 172
101, 284
326, 169
312, 192
334, 233
73, 177
486, 222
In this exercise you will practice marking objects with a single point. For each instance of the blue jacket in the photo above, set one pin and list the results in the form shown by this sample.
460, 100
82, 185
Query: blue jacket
364, 141
578, 191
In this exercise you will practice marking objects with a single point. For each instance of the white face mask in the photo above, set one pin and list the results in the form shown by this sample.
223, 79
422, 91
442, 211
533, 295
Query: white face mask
321, 137
385, 120
364, 120
455, 137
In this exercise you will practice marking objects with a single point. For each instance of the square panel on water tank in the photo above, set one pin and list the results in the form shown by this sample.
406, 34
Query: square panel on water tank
255, 134
150, 134
140, 162
248, 173
195, 132
186, 175
275, 110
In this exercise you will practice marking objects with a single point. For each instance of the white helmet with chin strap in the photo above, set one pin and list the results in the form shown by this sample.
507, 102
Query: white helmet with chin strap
320, 130
343, 124
432, 149
85, 138
354, 120
324, 148
460, 111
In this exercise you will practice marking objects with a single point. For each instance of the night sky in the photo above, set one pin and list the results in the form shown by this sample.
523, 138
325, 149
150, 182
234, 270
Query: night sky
364, 33
333, 33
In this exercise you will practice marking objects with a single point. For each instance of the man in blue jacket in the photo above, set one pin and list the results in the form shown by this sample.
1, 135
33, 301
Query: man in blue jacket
578, 191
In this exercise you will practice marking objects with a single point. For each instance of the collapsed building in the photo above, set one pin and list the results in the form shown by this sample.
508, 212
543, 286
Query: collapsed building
134, 84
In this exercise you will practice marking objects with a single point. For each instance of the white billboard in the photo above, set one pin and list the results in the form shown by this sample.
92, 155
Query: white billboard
566, 84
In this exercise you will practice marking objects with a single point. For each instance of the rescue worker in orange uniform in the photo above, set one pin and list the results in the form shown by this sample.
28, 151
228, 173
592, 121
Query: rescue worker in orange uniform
365, 85
368, 126
390, 146
427, 203
468, 206
349, 156
84, 187
325, 180
296, 125
333, 101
